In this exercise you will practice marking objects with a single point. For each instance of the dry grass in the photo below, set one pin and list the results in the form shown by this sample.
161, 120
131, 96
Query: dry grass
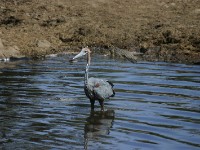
100, 23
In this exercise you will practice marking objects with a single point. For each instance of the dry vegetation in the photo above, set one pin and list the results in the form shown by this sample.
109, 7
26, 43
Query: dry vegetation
171, 25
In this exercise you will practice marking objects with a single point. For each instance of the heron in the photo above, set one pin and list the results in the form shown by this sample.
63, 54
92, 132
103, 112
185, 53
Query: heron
95, 88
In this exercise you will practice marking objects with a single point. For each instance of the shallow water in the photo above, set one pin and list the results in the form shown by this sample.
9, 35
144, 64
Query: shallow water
156, 106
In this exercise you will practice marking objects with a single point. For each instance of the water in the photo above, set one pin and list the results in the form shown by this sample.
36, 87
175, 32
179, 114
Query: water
43, 106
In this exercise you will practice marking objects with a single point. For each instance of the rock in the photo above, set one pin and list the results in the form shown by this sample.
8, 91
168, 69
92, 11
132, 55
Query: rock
1, 50
2, 57
132, 56
8, 53
43, 44
13, 51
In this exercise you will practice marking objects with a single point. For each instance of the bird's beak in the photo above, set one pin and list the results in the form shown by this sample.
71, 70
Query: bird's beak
82, 53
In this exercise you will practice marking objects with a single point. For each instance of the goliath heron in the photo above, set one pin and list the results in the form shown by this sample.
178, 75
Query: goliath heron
95, 89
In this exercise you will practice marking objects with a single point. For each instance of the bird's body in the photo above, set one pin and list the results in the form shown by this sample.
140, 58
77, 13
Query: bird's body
98, 89
95, 88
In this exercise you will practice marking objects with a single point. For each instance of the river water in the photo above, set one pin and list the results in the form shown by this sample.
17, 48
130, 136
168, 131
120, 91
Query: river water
43, 106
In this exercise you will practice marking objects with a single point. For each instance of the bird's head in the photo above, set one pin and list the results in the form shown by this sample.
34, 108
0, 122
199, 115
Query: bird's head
83, 52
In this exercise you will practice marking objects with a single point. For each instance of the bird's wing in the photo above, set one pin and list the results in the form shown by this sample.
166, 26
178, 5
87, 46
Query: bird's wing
101, 88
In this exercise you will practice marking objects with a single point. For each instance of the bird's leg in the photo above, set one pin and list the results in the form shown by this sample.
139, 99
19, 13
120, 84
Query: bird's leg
92, 104
101, 102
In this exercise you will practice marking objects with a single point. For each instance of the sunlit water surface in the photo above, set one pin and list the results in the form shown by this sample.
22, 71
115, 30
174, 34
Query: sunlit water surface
43, 106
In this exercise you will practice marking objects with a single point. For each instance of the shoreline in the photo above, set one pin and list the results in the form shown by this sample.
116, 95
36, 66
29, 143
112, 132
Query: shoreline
161, 31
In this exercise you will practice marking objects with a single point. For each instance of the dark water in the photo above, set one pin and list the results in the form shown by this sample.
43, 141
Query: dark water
43, 106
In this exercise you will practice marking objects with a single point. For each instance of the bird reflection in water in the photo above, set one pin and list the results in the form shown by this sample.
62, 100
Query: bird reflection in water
98, 124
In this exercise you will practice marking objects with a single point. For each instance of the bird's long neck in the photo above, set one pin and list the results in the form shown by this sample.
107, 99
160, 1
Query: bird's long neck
87, 68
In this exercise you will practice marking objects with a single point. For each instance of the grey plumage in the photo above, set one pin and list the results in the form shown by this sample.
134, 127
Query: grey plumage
98, 89
95, 89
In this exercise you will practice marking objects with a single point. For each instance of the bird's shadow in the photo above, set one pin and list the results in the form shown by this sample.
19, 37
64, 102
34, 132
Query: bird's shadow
98, 124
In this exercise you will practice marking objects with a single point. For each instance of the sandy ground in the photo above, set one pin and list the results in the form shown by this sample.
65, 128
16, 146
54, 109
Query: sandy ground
163, 30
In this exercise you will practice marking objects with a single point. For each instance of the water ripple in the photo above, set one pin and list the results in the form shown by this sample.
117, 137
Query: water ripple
43, 106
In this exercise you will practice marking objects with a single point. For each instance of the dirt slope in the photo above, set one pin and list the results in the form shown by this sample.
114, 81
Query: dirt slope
163, 30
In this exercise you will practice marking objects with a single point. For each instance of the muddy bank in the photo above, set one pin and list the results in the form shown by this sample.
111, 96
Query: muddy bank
161, 31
